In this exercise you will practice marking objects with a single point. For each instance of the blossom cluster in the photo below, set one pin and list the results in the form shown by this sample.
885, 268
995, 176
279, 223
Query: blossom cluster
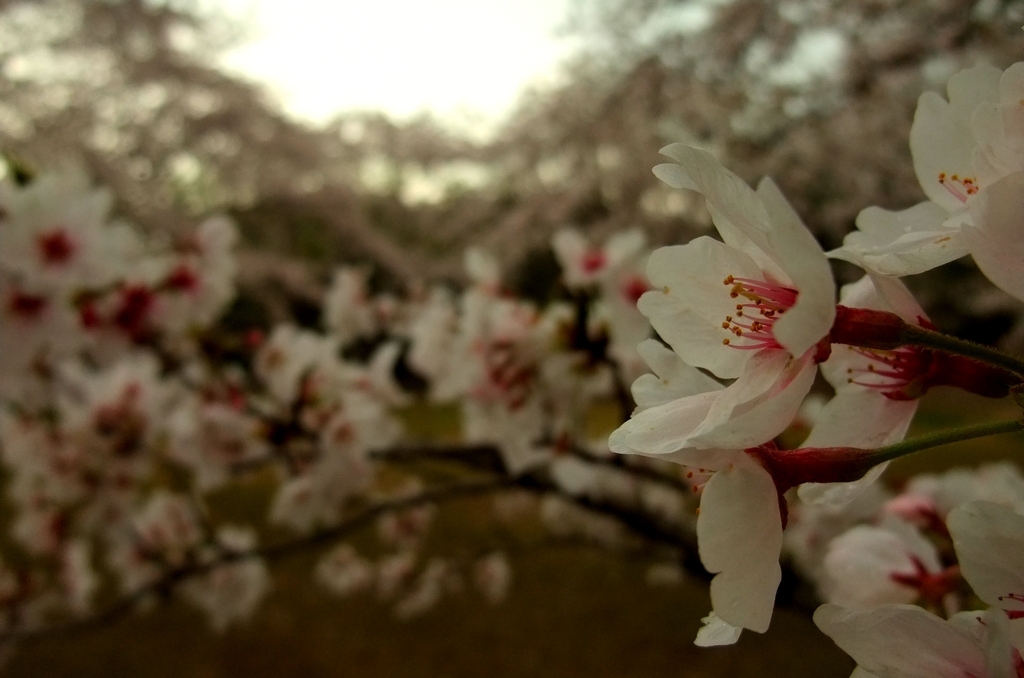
131, 416
756, 310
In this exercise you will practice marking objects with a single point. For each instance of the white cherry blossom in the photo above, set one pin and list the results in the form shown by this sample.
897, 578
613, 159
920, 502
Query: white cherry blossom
754, 307
967, 154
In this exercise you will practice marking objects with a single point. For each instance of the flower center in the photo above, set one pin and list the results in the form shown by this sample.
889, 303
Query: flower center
753, 321
889, 371
508, 375
932, 587
593, 261
28, 306
633, 288
56, 247
959, 187
183, 279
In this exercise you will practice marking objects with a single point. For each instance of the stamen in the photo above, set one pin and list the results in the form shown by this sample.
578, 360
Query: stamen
961, 189
765, 303
889, 372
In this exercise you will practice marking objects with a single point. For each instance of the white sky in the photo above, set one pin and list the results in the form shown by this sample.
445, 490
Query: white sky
399, 56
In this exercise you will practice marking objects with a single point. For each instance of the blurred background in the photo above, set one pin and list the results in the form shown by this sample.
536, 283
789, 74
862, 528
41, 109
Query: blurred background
398, 133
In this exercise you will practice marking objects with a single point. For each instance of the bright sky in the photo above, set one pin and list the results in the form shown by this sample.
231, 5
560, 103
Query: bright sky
399, 56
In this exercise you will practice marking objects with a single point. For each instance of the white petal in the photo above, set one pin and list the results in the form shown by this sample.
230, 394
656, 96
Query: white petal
860, 563
801, 257
989, 541
997, 239
760, 404
664, 428
690, 301
861, 418
739, 532
672, 378
715, 632
902, 641
907, 242
941, 139
569, 246
674, 176
723, 190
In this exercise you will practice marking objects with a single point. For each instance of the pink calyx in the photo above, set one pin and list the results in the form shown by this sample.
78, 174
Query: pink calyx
791, 468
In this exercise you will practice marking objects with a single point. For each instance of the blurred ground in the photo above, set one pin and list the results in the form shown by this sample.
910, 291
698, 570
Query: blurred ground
572, 611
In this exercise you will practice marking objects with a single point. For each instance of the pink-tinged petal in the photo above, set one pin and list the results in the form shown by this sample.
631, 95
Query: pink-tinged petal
760, 404
716, 632
801, 257
664, 428
997, 238
739, 532
903, 641
907, 242
672, 378
941, 140
860, 564
898, 299
989, 541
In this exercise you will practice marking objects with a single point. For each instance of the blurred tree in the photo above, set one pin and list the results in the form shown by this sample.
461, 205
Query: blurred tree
818, 95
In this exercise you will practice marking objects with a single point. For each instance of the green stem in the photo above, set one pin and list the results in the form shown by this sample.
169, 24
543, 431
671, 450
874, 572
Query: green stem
925, 442
919, 336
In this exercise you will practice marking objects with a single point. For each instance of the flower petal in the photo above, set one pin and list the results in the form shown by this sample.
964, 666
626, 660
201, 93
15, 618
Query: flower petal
907, 242
997, 240
902, 640
672, 378
940, 138
739, 532
689, 301
664, 428
989, 541
760, 404
716, 632
801, 257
